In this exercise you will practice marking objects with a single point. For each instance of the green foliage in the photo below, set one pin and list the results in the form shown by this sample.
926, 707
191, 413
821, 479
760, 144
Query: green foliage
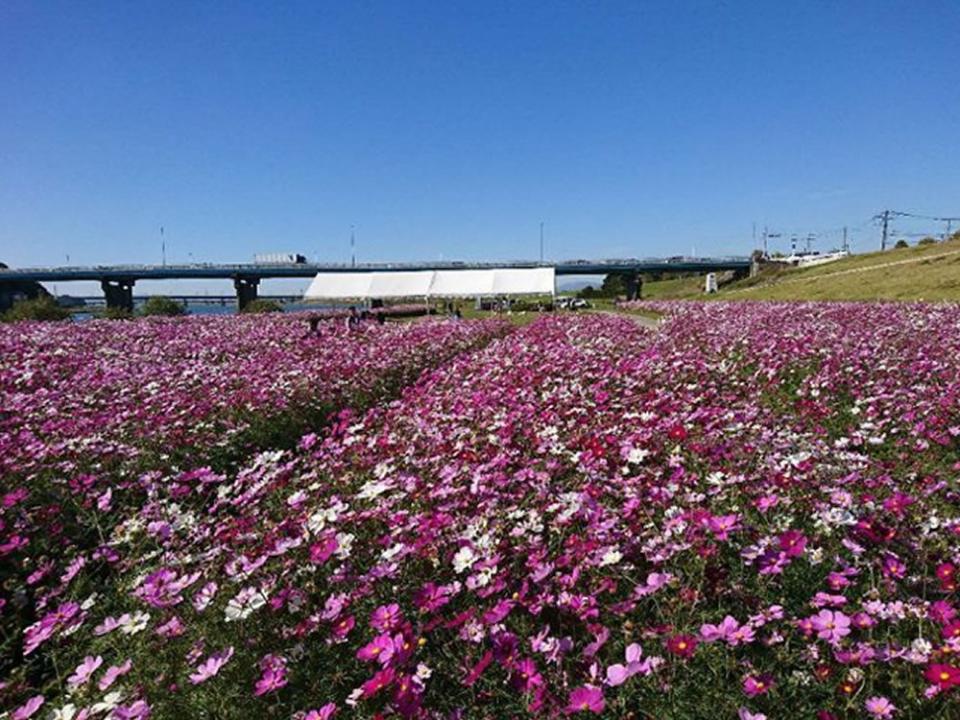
901, 244
42, 308
262, 306
115, 313
927, 241
162, 305
612, 286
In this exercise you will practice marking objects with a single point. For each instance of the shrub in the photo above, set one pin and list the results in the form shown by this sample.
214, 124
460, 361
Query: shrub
901, 244
262, 306
162, 305
114, 313
927, 241
42, 308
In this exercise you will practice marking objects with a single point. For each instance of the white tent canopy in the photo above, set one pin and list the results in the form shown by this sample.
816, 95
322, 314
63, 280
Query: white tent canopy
334, 286
399, 284
431, 284
462, 283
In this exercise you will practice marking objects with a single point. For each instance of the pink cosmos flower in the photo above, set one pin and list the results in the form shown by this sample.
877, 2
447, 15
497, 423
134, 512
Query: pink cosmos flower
831, 625
112, 673
941, 612
880, 707
526, 677
585, 698
273, 675
28, 708
320, 552
744, 714
793, 543
342, 628
379, 649
942, 675
754, 685
84, 671
380, 680
386, 618
138, 710
211, 666
722, 525
324, 713
681, 645
723, 631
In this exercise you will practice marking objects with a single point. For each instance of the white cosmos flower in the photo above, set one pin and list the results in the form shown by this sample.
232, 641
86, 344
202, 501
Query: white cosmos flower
611, 557
134, 623
67, 712
464, 559
244, 603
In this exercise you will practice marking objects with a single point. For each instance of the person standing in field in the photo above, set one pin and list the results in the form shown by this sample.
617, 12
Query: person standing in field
353, 320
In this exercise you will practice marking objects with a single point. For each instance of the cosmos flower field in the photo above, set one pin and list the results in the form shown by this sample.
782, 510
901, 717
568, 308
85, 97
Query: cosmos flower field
749, 512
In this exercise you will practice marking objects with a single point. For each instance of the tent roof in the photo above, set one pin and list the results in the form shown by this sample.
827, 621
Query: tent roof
462, 283
400, 284
333, 286
431, 283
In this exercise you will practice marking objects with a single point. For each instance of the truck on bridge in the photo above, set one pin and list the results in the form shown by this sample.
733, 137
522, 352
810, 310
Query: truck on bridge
279, 259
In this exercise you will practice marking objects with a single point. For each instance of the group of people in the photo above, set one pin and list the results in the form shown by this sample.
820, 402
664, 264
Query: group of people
352, 321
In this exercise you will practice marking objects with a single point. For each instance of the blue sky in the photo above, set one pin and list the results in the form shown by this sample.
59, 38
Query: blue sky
451, 129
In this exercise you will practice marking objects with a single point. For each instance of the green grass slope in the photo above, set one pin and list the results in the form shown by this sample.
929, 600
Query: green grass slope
931, 273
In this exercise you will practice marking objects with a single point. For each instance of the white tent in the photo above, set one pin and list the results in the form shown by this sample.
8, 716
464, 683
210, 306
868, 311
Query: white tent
339, 286
462, 283
533, 281
431, 284
400, 284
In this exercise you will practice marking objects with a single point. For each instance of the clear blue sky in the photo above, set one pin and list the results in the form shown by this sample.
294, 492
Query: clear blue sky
451, 129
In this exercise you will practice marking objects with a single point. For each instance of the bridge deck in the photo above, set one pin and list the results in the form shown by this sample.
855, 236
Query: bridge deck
307, 270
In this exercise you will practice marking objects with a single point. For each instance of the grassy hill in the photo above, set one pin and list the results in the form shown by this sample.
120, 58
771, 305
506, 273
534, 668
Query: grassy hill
931, 272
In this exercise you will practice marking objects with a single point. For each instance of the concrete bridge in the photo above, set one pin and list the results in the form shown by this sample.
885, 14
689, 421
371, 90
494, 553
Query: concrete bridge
118, 281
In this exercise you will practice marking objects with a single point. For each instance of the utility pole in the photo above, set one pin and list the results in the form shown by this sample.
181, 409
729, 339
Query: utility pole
765, 253
949, 221
885, 218
163, 247
353, 253
541, 242
845, 246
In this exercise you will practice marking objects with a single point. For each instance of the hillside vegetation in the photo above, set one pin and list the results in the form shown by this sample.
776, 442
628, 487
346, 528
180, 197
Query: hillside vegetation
930, 272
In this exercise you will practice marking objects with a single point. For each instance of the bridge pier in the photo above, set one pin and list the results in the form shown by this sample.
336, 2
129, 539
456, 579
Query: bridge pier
246, 290
118, 293
633, 282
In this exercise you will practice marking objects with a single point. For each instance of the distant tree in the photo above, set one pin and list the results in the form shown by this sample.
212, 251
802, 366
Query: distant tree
588, 292
955, 236
613, 285
901, 244
927, 241
114, 313
262, 306
43, 308
162, 305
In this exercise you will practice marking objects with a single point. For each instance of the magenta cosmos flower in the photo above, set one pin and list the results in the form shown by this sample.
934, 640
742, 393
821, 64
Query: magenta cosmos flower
831, 625
681, 645
880, 707
211, 666
585, 698
754, 685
